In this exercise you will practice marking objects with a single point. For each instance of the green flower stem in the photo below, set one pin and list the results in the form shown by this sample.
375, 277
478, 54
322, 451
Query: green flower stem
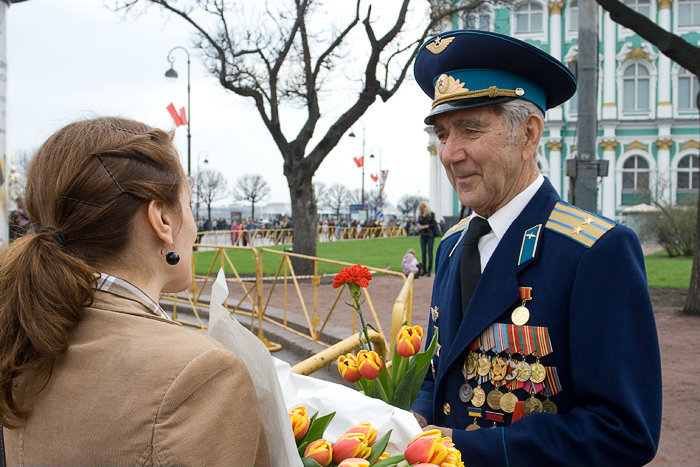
403, 364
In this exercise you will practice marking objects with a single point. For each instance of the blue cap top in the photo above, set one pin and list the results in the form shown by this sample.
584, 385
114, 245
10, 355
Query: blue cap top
467, 68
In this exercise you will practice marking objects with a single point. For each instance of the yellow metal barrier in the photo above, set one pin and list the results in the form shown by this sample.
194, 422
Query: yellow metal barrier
331, 354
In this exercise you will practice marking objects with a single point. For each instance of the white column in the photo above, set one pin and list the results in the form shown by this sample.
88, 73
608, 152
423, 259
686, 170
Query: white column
664, 109
608, 192
555, 114
663, 169
609, 65
554, 147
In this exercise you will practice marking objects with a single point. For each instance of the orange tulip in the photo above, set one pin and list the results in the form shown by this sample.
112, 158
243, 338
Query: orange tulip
354, 462
347, 367
321, 451
426, 447
408, 340
367, 430
369, 363
384, 455
453, 458
300, 421
351, 445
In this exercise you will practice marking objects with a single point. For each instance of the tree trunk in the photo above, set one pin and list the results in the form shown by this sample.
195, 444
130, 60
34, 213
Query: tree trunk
692, 302
252, 210
305, 219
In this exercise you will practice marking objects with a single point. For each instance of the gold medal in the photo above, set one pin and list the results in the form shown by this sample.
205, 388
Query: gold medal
499, 368
483, 366
478, 397
469, 364
508, 401
532, 405
523, 371
494, 399
511, 369
537, 372
473, 426
520, 315
549, 407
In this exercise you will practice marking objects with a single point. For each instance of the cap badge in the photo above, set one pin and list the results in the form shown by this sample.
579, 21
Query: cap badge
439, 44
447, 85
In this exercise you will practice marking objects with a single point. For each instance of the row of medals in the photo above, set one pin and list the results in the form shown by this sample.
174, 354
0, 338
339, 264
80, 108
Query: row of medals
503, 370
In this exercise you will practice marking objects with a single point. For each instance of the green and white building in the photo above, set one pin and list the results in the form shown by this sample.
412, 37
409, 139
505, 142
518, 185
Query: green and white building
648, 127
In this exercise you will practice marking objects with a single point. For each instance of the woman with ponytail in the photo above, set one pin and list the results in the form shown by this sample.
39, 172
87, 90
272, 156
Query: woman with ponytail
92, 370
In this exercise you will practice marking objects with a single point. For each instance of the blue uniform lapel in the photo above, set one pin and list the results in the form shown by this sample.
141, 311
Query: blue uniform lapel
498, 288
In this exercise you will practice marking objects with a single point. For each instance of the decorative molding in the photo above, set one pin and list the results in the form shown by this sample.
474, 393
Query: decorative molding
555, 8
663, 104
554, 146
609, 145
664, 144
432, 150
644, 51
664, 4
637, 54
690, 144
636, 145
574, 148
610, 104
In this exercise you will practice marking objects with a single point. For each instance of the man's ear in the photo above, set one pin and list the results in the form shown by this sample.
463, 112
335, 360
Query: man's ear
533, 127
161, 221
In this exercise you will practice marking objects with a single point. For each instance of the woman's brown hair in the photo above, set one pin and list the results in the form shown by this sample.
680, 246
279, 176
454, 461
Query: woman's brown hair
84, 187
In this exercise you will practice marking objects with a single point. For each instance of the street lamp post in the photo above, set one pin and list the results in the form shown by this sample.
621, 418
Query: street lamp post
380, 203
172, 75
198, 188
352, 135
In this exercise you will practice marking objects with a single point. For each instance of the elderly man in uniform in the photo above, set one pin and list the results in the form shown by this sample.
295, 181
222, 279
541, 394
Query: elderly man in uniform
547, 346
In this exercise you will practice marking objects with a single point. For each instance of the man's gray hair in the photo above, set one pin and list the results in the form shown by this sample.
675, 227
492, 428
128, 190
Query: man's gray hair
515, 112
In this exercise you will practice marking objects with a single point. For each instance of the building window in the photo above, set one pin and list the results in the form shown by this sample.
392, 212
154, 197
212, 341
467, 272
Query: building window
688, 13
688, 88
528, 18
635, 181
478, 18
687, 177
643, 7
573, 15
635, 88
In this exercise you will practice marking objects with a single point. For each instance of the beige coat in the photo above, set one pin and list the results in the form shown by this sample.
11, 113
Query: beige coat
135, 389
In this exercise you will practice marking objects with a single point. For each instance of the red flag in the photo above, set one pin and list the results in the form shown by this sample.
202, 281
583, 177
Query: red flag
173, 113
374, 177
183, 116
359, 161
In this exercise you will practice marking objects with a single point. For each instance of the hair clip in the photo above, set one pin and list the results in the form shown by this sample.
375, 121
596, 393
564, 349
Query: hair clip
109, 172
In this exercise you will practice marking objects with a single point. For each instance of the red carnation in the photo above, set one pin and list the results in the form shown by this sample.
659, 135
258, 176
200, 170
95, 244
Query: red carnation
354, 274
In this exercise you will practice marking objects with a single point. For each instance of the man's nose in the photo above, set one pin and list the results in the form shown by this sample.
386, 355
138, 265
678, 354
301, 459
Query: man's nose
451, 151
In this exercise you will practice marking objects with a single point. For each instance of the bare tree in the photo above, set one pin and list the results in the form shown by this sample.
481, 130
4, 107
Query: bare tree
686, 55
408, 204
210, 186
300, 55
320, 193
252, 188
337, 196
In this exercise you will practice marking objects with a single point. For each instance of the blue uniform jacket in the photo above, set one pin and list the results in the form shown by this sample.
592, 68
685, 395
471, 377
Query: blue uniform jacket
590, 291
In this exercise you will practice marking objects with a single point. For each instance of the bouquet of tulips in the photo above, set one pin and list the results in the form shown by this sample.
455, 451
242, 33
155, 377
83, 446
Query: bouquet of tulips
360, 447
367, 369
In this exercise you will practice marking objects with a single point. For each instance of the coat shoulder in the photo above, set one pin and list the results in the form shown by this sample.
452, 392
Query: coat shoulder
457, 228
577, 224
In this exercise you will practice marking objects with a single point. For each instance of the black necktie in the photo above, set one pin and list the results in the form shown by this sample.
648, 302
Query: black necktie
470, 261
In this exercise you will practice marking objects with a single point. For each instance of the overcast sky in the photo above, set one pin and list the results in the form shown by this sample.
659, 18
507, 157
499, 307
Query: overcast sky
75, 59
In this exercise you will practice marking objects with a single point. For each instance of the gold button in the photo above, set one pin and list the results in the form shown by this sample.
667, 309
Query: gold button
446, 408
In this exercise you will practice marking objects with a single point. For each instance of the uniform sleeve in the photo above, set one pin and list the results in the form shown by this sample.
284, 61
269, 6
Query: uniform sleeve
615, 369
209, 416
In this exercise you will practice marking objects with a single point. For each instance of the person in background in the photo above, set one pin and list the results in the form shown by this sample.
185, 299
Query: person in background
426, 230
547, 347
93, 371
410, 264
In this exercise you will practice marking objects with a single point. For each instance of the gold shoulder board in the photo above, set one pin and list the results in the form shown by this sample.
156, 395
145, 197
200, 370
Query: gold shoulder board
577, 224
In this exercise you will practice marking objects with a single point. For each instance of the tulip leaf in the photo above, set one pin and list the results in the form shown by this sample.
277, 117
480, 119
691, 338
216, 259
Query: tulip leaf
316, 428
390, 461
403, 392
379, 447
384, 380
422, 361
309, 462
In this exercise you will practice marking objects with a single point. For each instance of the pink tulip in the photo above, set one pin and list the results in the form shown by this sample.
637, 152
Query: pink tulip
321, 451
369, 363
300, 421
354, 462
426, 447
408, 340
351, 445
367, 430
347, 367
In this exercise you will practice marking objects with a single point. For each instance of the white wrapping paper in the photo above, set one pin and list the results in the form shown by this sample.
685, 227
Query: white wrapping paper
224, 327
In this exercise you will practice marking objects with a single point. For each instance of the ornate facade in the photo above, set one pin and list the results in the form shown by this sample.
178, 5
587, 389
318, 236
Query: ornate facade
648, 127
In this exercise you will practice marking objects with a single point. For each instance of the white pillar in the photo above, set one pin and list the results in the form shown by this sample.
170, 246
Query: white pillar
609, 65
555, 22
664, 109
554, 147
608, 192
663, 169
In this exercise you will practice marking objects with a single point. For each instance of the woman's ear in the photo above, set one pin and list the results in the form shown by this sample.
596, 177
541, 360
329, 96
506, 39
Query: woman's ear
161, 221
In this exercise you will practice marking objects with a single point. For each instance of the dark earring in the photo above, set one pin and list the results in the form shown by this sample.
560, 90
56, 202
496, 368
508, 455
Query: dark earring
172, 258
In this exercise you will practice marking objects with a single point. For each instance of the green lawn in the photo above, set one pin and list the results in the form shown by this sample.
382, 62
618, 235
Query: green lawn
387, 253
